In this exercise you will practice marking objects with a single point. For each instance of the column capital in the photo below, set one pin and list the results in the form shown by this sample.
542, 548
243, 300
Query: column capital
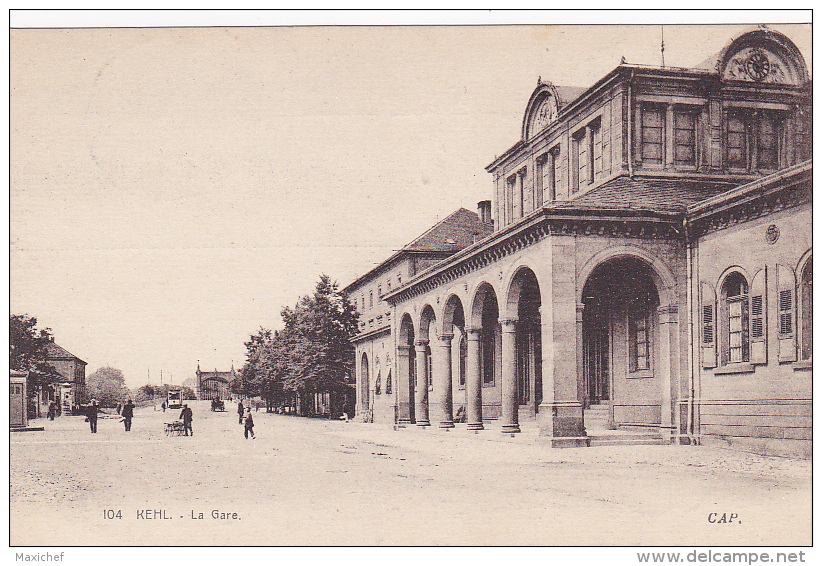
421, 342
473, 332
446, 337
403, 347
580, 311
667, 314
509, 324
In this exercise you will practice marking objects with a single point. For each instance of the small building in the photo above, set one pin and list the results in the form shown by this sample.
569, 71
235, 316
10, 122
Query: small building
214, 384
18, 417
68, 389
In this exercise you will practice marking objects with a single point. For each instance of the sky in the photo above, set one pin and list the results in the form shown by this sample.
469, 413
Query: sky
171, 189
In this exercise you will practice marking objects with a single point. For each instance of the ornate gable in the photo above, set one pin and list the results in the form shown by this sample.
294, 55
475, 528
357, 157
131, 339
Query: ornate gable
762, 56
542, 110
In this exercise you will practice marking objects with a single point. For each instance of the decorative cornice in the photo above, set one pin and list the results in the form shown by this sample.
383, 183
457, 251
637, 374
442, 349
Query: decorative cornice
533, 229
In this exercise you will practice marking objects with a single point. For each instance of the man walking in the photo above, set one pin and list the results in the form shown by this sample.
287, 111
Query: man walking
187, 416
128, 414
240, 412
249, 425
91, 413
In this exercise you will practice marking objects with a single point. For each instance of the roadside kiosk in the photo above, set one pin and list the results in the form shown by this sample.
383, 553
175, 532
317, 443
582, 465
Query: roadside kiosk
17, 400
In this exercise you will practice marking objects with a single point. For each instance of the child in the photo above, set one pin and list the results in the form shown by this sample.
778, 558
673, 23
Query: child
249, 425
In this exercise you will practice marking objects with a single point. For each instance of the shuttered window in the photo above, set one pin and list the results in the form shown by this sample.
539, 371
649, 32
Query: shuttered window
707, 324
757, 324
785, 312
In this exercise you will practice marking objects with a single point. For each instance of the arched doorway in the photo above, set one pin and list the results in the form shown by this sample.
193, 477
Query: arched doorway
524, 302
406, 368
365, 385
453, 328
620, 344
488, 336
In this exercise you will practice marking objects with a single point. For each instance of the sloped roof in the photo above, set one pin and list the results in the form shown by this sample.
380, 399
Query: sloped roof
645, 194
57, 352
452, 233
456, 231
568, 94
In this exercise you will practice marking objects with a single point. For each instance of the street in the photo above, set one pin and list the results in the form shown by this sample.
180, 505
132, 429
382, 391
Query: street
320, 482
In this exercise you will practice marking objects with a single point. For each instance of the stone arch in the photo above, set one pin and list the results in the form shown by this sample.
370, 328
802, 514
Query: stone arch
427, 319
481, 292
406, 332
786, 63
544, 93
662, 276
727, 273
514, 287
453, 313
365, 384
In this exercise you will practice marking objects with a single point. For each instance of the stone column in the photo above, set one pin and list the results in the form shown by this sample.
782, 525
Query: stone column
442, 382
668, 329
473, 381
405, 386
421, 392
510, 401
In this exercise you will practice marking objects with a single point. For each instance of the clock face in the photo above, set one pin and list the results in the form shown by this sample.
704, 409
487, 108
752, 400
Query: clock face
544, 115
757, 65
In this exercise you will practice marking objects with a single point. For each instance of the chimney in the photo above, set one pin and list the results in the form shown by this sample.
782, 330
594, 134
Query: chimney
484, 211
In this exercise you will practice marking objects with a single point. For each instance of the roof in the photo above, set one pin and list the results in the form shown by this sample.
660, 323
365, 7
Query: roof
57, 352
645, 194
456, 231
568, 94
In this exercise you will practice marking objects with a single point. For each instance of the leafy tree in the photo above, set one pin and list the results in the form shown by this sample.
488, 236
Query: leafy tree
108, 386
311, 354
28, 347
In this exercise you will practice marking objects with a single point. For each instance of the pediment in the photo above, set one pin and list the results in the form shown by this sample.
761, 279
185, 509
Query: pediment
763, 56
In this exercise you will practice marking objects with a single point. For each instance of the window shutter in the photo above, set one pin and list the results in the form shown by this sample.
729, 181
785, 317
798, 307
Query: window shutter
758, 321
707, 323
786, 311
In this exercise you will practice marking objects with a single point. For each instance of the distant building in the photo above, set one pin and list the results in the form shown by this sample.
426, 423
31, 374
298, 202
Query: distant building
69, 389
214, 384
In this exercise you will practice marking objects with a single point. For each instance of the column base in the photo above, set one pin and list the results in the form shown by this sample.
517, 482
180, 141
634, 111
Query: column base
561, 424
475, 426
510, 428
423, 423
405, 422
446, 424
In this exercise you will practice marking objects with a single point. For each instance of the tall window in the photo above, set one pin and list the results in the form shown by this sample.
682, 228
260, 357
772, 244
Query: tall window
684, 139
487, 345
388, 383
653, 129
510, 189
378, 386
429, 370
371, 298
594, 150
539, 179
639, 336
553, 165
577, 159
736, 346
806, 318
753, 139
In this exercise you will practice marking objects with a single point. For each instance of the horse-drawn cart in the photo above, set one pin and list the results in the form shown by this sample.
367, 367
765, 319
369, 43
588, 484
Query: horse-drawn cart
217, 405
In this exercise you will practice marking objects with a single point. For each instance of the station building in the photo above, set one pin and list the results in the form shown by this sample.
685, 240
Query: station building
648, 269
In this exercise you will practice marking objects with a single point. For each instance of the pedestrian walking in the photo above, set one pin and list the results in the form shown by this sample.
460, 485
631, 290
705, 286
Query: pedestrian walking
249, 425
91, 413
164, 406
128, 414
240, 412
52, 410
187, 416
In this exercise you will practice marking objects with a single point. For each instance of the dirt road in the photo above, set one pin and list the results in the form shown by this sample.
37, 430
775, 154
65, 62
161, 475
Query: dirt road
316, 482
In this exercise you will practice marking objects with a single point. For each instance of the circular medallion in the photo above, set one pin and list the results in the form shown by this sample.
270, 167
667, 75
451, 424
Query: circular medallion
757, 65
772, 234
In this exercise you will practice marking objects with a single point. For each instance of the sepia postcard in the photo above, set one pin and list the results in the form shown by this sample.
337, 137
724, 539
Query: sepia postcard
413, 279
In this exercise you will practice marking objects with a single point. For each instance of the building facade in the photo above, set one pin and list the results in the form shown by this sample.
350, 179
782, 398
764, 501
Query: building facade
214, 384
649, 268
68, 389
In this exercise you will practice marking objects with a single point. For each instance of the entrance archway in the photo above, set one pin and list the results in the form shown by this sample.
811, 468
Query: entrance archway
621, 342
523, 305
406, 368
365, 385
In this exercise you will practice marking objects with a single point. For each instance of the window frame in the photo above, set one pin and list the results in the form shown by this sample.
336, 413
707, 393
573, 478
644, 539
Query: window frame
645, 110
726, 301
634, 314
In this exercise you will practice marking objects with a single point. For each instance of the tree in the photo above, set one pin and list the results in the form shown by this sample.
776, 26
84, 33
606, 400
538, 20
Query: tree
108, 386
311, 354
28, 347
